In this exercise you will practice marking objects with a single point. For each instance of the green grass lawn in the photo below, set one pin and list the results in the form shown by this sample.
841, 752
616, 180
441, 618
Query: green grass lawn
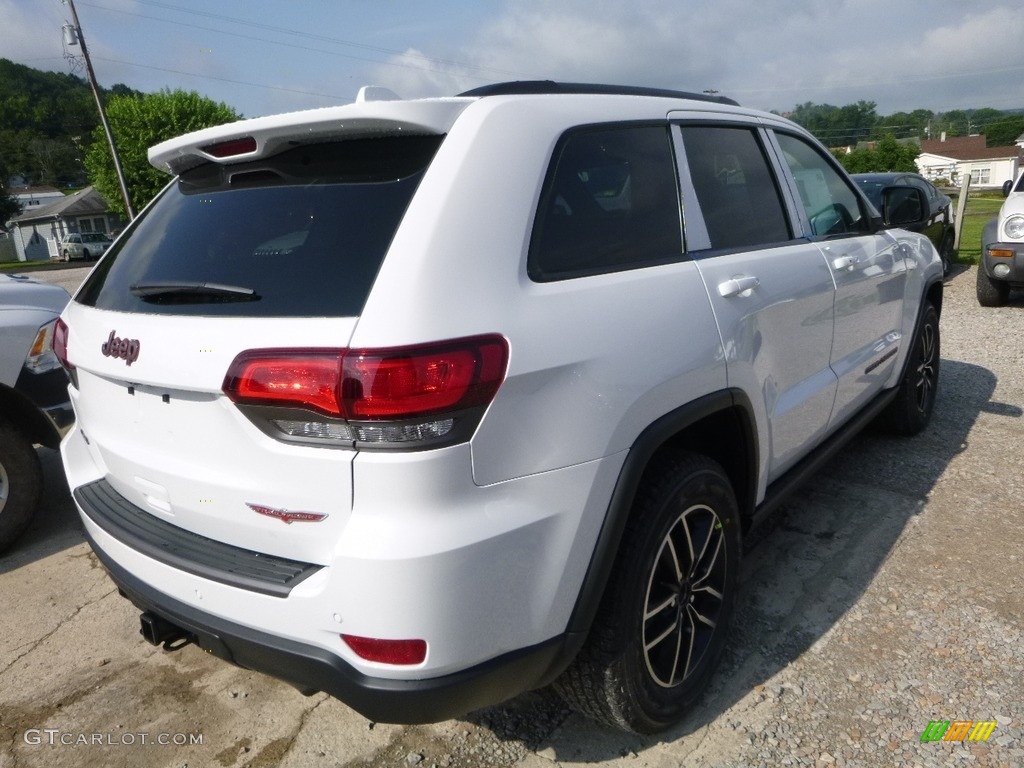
23, 266
978, 212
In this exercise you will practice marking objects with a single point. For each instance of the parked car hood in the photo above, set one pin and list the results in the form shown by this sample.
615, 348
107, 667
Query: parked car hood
26, 291
1011, 205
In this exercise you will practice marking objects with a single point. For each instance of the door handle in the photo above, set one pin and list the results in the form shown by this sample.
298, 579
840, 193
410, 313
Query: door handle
844, 262
737, 285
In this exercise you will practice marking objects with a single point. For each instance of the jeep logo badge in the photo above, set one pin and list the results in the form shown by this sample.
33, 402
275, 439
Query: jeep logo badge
126, 349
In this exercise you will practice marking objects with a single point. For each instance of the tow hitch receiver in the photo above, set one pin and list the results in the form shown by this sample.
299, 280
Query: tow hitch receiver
159, 631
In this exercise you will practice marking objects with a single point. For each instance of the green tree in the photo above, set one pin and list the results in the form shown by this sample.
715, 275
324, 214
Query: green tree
837, 126
1004, 132
888, 155
903, 124
139, 122
954, 123
46, 124
9, 207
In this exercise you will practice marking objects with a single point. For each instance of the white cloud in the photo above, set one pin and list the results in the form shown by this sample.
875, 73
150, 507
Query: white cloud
939, 54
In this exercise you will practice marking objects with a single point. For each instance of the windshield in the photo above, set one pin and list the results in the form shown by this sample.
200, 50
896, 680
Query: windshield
302, 234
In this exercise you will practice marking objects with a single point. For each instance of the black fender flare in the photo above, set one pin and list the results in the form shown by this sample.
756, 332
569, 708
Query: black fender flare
643, 449
989, 234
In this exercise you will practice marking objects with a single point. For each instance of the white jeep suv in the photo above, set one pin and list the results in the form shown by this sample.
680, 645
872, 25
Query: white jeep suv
427, 403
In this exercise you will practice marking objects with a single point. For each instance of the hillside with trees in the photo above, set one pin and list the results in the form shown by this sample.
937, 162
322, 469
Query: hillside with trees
847, 125
47, 120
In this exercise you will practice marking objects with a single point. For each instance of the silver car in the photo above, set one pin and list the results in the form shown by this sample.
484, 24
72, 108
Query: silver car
84, 245
34, 404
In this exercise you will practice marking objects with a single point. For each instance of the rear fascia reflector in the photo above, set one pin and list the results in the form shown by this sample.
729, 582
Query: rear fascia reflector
396, 652
232, 148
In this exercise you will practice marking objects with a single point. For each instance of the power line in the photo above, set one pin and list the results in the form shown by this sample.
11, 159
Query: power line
222, 79
430, 64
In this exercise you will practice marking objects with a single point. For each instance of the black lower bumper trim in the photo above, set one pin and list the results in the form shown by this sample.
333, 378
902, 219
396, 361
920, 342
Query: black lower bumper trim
311, 669
187, 551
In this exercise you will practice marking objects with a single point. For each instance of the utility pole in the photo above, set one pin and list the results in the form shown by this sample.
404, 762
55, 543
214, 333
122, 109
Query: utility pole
79, 38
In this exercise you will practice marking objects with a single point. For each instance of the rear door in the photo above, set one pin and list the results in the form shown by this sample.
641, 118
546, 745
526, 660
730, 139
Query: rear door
276, 254
772, 292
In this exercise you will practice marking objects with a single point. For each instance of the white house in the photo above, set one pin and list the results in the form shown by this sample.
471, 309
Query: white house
955, 158
36, 232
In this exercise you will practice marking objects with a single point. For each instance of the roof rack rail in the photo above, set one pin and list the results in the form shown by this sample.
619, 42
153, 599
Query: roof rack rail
550, 86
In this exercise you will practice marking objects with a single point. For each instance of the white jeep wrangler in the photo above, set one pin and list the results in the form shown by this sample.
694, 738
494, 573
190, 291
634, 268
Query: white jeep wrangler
428, 403
1002, 249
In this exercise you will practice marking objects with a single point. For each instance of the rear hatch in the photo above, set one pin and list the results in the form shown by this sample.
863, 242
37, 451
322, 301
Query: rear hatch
259, 252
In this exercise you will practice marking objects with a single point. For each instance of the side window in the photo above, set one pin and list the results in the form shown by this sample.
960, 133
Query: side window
735, 187
831, 204
610, 202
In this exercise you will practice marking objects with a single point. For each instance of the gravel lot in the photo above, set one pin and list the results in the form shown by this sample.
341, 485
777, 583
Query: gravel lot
886, 594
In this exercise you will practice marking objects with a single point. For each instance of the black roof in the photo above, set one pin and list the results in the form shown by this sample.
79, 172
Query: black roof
517, 87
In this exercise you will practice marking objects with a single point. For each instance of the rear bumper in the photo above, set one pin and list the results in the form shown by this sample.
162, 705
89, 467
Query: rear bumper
312, 669
1007, 268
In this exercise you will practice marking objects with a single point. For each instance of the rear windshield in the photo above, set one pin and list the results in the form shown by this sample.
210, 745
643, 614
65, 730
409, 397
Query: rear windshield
300, 234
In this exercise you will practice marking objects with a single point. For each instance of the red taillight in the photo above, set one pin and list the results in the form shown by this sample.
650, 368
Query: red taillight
60, 343
403, 652
231, 148
369, 385
403, 383
288, 377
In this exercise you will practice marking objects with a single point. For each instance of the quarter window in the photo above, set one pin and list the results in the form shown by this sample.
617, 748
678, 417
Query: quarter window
610, 202
831, 205
735, 188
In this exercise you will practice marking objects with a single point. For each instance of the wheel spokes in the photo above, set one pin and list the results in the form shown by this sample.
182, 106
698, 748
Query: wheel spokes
926, 375
685, 594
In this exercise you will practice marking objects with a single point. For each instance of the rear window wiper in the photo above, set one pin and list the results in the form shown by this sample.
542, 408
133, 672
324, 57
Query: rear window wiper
187, 292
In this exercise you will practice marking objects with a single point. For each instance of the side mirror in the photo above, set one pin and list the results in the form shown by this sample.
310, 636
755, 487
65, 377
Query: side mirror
904, 207
1007, 186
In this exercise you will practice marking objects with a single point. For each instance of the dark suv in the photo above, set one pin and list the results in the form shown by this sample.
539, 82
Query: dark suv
938, 226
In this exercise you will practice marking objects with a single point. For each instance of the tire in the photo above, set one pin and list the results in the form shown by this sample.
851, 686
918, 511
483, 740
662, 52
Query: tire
85, 254
946, 252
21, 481
991, 293
67, 256
912, 409
660, 629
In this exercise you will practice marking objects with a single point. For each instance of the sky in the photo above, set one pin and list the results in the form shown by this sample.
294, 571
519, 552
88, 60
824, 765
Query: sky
268, 57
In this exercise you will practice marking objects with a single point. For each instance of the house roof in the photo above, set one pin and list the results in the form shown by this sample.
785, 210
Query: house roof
967, 148
82, 203
32, 191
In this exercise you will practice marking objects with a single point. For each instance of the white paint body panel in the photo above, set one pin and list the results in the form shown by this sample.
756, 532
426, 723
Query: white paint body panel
479, 548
